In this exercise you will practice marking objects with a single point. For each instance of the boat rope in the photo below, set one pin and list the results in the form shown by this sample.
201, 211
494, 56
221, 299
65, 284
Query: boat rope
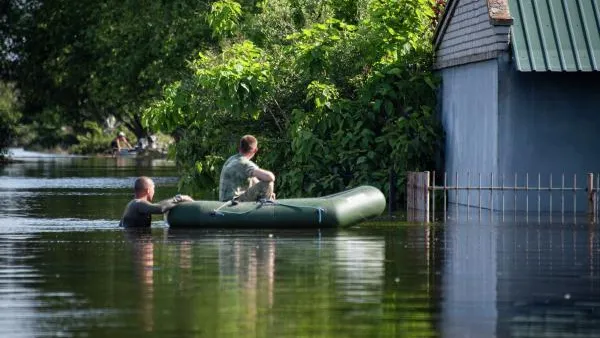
319, 210
231, 203
219, 212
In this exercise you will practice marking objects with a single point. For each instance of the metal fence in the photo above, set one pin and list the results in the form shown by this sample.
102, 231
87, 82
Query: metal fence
499, 195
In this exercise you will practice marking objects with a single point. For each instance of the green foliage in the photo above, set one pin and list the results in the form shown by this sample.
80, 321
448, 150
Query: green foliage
199, 159
93, 141
237, 78
323, 95
314, 47
224, 18
338, 91
9, 116
48, 131
89, 60
337, 100
174, 110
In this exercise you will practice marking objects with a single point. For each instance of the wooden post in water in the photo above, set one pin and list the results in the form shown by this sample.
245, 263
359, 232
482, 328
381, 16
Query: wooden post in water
591, 197
432, 196
409, 195
426, 195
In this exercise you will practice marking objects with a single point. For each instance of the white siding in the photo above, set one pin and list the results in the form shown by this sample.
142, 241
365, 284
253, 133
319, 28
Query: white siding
470, 36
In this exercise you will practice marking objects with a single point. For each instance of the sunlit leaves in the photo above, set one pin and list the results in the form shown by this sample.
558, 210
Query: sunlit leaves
313, 47
323, 95
170, 112
399, 27
224, 18
238, 77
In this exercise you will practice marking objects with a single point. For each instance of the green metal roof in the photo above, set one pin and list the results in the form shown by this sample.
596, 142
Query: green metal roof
556, 35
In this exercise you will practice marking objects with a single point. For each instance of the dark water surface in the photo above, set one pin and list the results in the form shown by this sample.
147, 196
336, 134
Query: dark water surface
67, 270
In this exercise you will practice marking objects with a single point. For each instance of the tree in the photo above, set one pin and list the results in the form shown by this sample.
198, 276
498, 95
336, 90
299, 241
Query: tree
9, 115
335, 104
88, 60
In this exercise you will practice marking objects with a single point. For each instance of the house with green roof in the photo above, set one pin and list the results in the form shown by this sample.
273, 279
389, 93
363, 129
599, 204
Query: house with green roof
520, 90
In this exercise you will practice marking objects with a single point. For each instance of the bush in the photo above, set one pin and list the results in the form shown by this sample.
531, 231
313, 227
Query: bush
95, 140
9, 116
334, 104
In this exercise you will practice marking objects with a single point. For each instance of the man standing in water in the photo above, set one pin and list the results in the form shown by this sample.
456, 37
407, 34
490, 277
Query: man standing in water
138, 212
241, 179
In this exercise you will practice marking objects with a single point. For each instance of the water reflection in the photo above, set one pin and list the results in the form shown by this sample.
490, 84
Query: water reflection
360, 268
470, 277
15, 293
520, 279
335, 282
76, 187
250, 264
68, 270
142, 245
548, 282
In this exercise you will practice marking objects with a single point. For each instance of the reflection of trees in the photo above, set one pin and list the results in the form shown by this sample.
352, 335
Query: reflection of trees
412, 282
211, 283
340, 285
248, 266
79, 280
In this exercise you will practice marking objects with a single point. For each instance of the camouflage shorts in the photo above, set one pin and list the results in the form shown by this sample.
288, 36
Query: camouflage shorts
258, 191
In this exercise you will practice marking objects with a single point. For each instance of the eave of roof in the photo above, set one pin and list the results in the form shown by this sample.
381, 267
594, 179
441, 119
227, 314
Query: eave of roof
498, 11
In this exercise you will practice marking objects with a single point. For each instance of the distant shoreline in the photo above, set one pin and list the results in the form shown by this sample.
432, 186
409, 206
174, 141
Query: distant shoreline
15, 154
8, 160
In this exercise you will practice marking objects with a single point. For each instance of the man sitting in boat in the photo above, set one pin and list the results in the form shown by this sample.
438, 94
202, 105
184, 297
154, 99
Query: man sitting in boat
241, 179
120, 142
138, 212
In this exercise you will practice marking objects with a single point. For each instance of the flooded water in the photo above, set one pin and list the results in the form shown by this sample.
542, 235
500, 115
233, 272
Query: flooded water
68, 270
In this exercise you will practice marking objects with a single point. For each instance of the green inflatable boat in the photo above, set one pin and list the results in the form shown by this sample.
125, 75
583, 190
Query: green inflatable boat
339, 210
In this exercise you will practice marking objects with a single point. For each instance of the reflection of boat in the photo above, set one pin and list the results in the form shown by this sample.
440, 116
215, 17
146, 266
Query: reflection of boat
136, 152
126, 152
339, 210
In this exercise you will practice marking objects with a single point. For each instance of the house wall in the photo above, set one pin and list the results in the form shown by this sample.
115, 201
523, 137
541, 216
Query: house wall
548, 123
469, 36
469, 116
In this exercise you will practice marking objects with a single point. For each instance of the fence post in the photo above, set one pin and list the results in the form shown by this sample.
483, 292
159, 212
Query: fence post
409, 195
392, 192
591, 197
426, 195
418, 185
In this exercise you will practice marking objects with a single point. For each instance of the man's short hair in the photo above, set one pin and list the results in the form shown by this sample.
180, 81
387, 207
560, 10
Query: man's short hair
142, 183
247, 143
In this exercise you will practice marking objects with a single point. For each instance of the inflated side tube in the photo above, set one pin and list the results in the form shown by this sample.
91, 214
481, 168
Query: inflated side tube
339, 210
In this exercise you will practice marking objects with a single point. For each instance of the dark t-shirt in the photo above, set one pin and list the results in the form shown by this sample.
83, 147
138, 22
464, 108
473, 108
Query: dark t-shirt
138, 212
